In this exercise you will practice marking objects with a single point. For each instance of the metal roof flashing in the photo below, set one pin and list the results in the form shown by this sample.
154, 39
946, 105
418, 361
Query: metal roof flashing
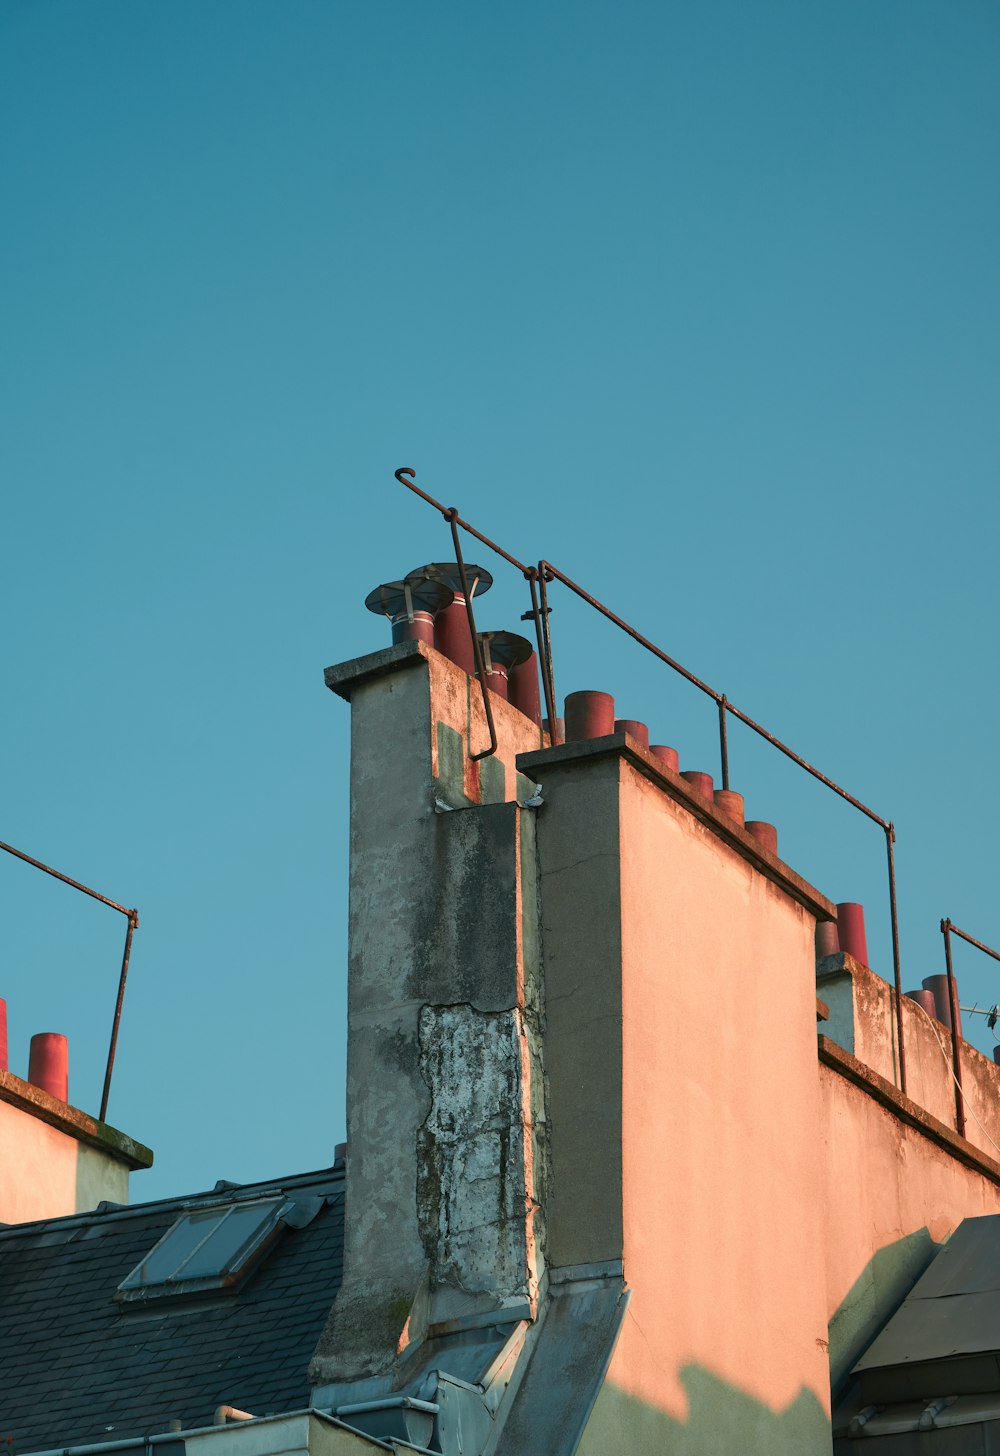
302, 1430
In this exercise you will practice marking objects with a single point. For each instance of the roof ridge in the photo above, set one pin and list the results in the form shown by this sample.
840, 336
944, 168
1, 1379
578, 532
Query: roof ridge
108, 1212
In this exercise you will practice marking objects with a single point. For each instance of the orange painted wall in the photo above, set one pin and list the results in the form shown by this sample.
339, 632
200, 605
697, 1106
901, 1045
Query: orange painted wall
720, 1115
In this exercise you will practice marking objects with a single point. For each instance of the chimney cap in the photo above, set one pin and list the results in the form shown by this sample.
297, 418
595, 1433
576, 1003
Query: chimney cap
448, 573
508, 649
427, 594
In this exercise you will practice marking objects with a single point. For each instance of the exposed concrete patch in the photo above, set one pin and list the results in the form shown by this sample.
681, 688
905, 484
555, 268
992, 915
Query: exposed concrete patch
492, 781
449, 780
473, 1199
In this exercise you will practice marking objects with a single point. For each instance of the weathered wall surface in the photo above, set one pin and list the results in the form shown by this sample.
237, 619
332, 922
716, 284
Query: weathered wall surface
683, 1093
54, 1159
580, 890
37, 1168
863, 1021
720, 1107
444, 1097
888, 1197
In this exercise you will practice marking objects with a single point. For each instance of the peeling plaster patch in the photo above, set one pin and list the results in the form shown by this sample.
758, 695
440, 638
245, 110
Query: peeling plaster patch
492, 781
450, 777
472, 1196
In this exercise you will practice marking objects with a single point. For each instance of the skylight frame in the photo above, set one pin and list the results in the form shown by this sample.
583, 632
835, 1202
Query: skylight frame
227, 1272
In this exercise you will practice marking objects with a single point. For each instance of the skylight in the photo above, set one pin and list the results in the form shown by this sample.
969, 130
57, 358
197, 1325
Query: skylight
208, 1248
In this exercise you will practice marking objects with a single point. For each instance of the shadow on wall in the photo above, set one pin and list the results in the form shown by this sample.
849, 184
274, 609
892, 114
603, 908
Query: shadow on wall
873, 1299
722, 1421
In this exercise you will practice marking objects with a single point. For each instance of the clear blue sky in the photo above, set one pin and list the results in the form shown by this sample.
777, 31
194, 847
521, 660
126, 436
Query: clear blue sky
698, 300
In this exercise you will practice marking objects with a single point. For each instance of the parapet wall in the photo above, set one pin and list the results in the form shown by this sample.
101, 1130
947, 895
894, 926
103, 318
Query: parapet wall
55, 1159
863, 1021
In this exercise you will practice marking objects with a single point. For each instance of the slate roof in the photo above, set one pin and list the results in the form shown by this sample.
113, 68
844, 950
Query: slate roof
76, 1367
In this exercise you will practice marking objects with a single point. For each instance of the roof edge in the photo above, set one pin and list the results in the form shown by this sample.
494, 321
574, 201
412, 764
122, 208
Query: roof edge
630, 750
73, 1122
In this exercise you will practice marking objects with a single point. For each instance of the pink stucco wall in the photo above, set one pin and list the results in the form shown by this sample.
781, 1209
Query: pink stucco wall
888, 1196
721, 1160
45, 1173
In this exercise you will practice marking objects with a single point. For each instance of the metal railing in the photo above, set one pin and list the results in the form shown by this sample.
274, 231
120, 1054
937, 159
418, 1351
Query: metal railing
948, 929
132, 917
538, 578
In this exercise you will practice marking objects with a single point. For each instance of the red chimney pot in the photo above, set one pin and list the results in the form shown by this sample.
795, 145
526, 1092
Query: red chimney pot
634, 729
765, 834
827, 939
851, 927
589, 715
731, 804
702, 783
451, 625
925, 999
938, 988
522, 689
669, 756
48, 1064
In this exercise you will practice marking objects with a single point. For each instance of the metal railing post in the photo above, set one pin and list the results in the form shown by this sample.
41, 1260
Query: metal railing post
723, 741
956, 1039
897, 975
133, 924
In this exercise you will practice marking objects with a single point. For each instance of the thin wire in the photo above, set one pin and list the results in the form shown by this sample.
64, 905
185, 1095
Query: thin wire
947, 1062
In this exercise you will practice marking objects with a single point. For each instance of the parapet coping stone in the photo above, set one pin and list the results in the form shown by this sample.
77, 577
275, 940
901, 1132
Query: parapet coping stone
73, 1122
624, 746
906, 1110
343, 677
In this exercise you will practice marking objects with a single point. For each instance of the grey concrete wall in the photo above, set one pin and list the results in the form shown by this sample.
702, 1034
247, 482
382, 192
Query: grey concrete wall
580, 890
444, 1080
680, 1054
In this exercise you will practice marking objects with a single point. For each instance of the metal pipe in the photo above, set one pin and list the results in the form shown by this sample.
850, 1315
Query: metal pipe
133, 924
964, 935
890, 839
543, 661
723, 742
57, 875
956, 1038
446, 511
547, 632
477, 647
